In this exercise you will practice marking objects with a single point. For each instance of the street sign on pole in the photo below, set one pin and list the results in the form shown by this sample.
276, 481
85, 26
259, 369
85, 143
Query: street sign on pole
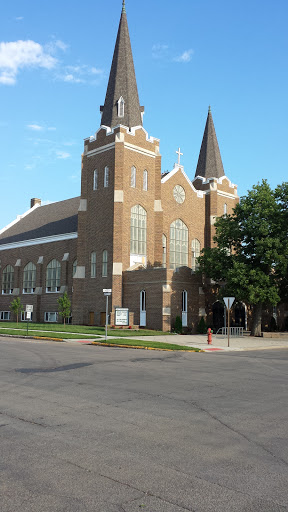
229, 303
107, 293
229, 300
29, 308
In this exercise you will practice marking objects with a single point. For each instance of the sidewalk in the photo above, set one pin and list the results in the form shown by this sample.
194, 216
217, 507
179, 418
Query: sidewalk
219, 343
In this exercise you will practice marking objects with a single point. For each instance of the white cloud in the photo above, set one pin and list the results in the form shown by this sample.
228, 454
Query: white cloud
55, 45
72, 79
159, 50
19, 55
35, 127
19, 18
51, 129
185, 57
62, 155
80, 73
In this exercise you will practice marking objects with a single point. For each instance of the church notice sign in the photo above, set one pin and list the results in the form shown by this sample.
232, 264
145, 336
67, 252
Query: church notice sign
121, 316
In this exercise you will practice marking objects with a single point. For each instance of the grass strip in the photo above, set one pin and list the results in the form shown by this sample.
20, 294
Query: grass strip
83, 329
43, 334
157, 345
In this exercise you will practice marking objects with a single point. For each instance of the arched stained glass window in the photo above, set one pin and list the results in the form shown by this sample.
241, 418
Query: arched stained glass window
145, 180
133, 177
8, 279
104, 263
74, 267
164, 253
138, 231
178, 244
106, 177
195, 253
29, 278
53, 276
93, 264
95, 180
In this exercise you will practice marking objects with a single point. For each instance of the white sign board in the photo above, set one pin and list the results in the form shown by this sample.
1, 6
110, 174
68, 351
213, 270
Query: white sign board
28, 315
231, 300
107, 290
29, 309
121, 316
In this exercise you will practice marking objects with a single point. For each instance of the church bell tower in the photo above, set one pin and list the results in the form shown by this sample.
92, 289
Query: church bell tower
120, 215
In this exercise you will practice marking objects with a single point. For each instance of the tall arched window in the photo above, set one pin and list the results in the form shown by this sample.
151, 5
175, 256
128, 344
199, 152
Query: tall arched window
104, 263
195, 253
164, 246
138, 235
8, 279
145, 180
93, 264
225, 209
95, 180
74, 267
178, 244
53, 276
106, 177
133, 177
29, 278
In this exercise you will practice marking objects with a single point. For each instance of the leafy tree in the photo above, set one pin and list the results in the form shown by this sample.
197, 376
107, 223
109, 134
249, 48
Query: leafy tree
16, 307
64, 306
250, 258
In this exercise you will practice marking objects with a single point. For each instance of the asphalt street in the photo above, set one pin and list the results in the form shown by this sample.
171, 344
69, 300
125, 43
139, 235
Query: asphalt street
86, 428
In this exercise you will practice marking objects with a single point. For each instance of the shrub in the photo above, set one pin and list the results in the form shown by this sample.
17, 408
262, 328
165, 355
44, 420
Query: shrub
178, 325
273, 325
202, 326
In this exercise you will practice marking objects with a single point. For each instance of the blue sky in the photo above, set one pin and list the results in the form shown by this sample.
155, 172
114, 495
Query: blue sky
55, 60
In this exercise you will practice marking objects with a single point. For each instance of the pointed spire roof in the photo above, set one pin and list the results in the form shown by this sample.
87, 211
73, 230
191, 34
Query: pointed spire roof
210, 162
122, 86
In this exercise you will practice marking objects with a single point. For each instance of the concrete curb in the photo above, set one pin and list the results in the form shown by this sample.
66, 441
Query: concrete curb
97, 343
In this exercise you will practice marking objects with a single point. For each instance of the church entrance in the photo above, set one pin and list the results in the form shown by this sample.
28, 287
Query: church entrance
240, 315
143, 308
218, 315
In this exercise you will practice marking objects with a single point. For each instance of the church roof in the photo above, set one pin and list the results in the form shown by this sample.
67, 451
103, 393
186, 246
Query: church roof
42, 221
122, 83
210, 162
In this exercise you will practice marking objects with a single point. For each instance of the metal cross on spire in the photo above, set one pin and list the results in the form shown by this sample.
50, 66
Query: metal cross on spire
179, 155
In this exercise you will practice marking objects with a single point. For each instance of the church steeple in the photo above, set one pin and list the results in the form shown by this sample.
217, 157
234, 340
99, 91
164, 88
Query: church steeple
122, 101
210, 162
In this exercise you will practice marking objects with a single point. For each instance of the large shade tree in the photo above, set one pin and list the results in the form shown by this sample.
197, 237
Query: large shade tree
251, 253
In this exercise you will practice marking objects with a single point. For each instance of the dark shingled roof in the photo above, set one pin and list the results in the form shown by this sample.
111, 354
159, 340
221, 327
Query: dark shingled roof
52, 219
122, 82
210, 162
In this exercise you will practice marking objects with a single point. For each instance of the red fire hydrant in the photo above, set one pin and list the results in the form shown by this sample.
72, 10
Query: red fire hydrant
209, 339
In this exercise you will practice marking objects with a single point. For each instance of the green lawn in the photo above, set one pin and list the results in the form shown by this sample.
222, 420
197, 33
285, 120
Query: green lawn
149, 344
60, 335
82, 329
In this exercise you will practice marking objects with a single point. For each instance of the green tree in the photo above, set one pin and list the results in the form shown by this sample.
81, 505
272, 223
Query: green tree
64, 306
16, 307
250, 258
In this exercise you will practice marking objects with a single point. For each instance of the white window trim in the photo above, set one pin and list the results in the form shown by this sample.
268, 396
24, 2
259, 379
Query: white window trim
95, 180
47, 313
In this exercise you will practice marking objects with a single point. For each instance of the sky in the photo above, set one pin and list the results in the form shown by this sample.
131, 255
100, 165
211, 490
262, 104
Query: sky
55, 60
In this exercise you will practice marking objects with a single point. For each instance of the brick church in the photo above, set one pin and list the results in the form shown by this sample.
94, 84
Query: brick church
132, 230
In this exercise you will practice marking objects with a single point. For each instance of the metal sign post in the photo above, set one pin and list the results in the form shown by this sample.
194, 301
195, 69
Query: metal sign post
229, 303
107, 293
29, 311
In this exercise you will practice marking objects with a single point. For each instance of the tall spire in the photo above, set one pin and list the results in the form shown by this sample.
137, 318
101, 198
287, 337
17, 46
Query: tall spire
122, 101
210, 162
